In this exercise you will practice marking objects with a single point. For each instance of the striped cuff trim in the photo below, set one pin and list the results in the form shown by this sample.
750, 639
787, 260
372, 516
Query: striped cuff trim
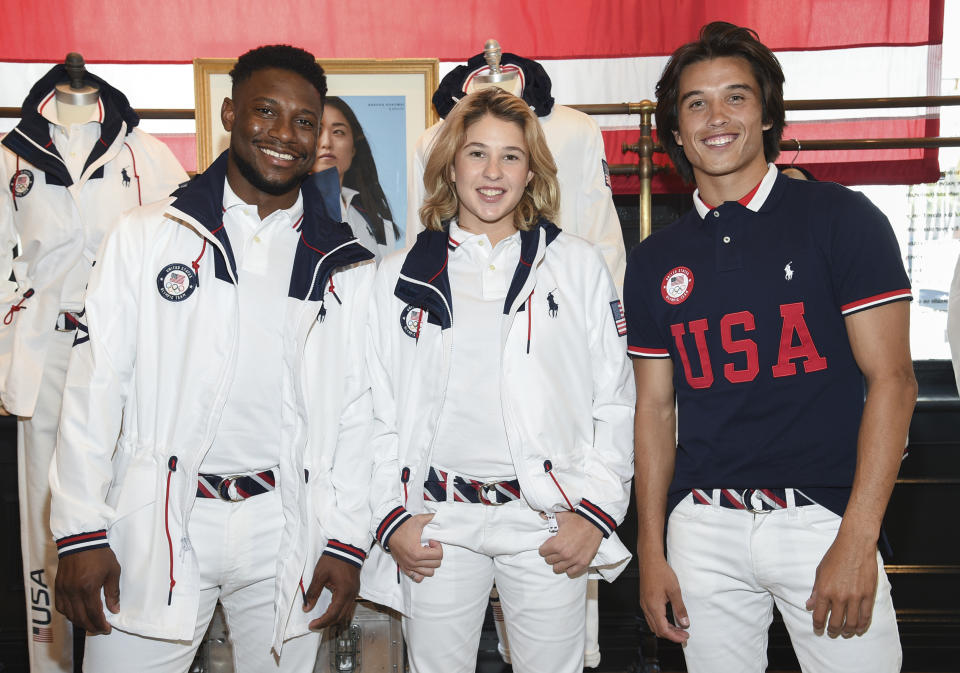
648, 352
345, 552
390, 524
597, 517
72, 544
876, 300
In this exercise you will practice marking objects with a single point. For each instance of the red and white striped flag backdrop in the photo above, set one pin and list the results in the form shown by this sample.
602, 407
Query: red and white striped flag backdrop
595, 52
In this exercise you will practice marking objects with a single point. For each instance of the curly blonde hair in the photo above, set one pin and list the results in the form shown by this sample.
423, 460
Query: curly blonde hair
541, 198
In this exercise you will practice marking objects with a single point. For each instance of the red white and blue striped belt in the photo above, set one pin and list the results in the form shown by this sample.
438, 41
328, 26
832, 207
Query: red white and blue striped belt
469, 490
754, 500
235, 487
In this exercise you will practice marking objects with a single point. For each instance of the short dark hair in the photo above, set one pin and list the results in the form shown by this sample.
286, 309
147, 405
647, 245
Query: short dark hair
284, 57
721, 39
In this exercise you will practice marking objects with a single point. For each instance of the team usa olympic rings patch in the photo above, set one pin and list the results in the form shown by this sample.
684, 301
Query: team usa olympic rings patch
410, 318
21, 183
176, 282
677, 285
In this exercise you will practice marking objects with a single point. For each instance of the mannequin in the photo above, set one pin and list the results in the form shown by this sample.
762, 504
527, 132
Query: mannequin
76, 100
586, 209
74, 162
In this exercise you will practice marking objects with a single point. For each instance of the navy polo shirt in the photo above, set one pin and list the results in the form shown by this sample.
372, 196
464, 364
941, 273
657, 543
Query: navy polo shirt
749, 304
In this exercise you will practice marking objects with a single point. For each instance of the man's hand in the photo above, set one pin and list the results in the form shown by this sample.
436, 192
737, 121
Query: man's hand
659, 586
572, 549
415, 560
845, 587
343, 581
80, 577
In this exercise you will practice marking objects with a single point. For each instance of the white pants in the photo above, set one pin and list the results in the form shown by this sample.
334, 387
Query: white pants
733, 566
591, 652
482, 544
236, 545
49, 634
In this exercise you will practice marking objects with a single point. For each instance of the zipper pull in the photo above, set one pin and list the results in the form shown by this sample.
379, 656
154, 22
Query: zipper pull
404, 478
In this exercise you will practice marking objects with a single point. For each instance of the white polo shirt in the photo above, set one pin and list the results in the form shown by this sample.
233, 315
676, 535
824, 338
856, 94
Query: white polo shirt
74, 141
247, 438
471, 438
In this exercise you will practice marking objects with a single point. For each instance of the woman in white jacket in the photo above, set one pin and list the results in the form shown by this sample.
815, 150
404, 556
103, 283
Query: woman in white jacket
363, 204
503, 405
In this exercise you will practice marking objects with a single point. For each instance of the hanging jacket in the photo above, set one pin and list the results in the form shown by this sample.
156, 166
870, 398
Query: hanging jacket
566, 387
155, 368
61, 222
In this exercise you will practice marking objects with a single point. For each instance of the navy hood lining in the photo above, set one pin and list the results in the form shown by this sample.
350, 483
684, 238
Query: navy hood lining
33, 126
536, 87
426, 264
202, 199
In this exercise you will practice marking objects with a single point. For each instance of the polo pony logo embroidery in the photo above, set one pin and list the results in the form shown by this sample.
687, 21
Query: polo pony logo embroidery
125, 176
552, 306
788, 271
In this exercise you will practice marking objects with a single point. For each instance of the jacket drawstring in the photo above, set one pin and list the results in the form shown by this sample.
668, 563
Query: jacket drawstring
548, 468
196, 263
135, 174
171, 468
333, 291
529, 319
419, 320
8, 318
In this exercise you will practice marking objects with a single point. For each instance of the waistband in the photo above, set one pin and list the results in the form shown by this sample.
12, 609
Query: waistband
756, 500
235, 487
438, 484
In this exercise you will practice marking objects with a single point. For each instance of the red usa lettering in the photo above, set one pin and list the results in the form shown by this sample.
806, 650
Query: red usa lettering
796, 344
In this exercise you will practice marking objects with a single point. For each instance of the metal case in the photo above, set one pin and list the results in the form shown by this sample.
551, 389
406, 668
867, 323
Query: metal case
372, 644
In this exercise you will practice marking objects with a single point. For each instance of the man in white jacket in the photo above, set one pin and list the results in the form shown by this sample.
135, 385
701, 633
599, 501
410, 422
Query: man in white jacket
218, 343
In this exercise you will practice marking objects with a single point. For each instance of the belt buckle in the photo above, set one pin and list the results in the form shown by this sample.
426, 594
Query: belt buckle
485, 489
223, 488
756, 502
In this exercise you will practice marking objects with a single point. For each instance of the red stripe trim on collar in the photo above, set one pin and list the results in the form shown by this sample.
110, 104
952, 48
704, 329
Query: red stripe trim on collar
743, 200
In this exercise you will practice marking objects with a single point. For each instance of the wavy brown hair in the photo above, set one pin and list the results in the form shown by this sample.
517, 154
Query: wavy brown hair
718, 40
541, 198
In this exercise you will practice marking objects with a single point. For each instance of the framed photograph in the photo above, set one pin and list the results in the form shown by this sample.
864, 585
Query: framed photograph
391, 99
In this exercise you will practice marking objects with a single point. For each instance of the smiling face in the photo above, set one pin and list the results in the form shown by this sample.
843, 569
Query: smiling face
273, 120
490, 170
335, 147
720, 119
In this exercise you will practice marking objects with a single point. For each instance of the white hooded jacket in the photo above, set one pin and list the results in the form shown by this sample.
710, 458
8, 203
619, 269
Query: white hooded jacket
153, 363
567, 389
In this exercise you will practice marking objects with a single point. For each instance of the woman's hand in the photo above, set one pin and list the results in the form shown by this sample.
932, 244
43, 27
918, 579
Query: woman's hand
416, 560
572, 549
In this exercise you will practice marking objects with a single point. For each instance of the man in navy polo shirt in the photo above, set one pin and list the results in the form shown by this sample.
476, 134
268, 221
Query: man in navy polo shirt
757, 321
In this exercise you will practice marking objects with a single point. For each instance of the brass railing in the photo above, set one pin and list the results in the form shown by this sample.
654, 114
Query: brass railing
645, 147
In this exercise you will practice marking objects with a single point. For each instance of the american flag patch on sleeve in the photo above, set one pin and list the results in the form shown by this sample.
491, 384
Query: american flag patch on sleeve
606, 173
619, 319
